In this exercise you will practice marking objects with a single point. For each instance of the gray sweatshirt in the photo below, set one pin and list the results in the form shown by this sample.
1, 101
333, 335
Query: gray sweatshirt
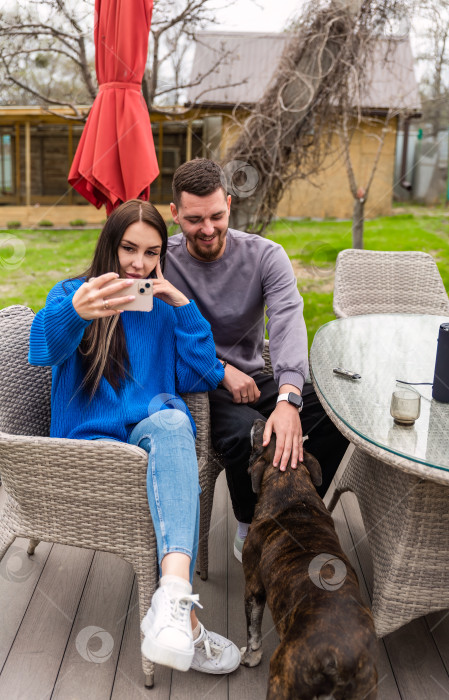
232, 293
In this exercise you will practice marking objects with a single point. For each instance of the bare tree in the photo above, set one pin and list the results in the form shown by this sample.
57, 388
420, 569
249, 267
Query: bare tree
315, 91
360, 192
432, 30
174, 30
47, 51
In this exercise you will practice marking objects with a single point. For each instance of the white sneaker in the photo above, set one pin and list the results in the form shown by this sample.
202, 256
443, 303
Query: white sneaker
214, 653
167, 629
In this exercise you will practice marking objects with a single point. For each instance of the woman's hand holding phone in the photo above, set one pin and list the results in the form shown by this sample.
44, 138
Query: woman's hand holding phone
93, 299
165, 291
90, 300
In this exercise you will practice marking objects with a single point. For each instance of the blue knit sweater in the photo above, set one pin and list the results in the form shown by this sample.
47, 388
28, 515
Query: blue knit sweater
171, 350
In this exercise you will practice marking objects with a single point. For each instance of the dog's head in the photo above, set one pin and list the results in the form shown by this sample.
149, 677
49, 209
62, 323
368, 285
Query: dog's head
262, 457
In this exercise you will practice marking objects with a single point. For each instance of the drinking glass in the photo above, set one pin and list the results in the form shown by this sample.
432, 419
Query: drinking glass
405, 405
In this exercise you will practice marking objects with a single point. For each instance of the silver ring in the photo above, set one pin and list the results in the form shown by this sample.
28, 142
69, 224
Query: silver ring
105, 304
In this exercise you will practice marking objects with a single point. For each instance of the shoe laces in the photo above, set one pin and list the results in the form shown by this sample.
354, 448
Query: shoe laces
213, 647
180, 606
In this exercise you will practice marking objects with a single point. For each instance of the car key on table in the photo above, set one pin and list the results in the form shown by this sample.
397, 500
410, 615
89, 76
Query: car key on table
346, 373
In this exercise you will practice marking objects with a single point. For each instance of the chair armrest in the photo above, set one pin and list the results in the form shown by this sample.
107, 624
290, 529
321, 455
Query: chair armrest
85, 493
40, 471
52, 466
268, 369
199, 408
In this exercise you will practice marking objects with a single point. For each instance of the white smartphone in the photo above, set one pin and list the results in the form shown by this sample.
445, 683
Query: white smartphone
141, 289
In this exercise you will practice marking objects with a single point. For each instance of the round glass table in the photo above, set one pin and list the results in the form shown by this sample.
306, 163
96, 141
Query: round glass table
382, 349
400, 474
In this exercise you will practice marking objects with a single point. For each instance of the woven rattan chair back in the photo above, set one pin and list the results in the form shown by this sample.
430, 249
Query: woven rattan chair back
376, 282
24, 390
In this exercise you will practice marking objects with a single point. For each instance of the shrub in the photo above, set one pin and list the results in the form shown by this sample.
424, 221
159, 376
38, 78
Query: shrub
13, 224
78, 222
46, 223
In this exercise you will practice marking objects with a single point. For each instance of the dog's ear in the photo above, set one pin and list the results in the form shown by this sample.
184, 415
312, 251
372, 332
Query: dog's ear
314, 468
257, 469
259, 459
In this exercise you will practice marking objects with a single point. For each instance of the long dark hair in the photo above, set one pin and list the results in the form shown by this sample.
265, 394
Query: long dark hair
103, 347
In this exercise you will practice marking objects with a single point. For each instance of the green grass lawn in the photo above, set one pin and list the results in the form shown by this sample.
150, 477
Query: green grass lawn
31, 262
313, 247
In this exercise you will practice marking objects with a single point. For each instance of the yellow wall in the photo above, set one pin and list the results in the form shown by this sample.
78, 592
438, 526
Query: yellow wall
329, 196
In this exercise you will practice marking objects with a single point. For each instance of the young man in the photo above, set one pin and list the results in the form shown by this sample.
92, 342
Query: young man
233, 276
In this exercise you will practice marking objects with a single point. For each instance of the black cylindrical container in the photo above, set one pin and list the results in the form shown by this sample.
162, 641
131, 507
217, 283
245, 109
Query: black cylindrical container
440, 390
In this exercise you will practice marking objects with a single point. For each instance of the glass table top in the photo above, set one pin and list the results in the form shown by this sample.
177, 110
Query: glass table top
383, 348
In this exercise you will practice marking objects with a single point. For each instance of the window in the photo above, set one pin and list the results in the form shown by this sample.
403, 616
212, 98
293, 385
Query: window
5, 164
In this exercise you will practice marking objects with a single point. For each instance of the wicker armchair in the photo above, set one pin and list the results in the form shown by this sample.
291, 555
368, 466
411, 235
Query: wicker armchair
76, 492
210, 473
380, 282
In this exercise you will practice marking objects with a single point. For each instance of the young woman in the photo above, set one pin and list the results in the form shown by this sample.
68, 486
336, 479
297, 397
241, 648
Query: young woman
117, 375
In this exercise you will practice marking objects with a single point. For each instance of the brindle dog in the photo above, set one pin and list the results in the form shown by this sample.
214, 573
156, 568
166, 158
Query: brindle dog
327, 647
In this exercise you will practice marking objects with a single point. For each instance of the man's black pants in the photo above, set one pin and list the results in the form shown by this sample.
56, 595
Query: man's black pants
231, 425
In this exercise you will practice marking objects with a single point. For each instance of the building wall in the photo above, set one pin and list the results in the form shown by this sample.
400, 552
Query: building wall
50, 164
327, 194
51, 154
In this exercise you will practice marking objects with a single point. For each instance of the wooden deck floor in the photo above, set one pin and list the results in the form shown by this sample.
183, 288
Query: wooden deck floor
52, 603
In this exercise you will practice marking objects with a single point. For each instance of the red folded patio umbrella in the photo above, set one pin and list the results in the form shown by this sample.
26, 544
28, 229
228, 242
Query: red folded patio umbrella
115, 159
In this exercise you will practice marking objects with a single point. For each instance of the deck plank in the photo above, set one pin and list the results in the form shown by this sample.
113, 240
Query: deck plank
438, 623
32, 666
360, 542
129, 680
19, 576
247, 683
90, 659
419, 671
213, 596
388, 689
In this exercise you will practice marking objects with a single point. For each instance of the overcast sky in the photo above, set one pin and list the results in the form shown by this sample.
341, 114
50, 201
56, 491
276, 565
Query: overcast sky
272, 16
258, 15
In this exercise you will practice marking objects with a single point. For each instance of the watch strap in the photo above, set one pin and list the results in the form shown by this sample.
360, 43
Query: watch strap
296, 402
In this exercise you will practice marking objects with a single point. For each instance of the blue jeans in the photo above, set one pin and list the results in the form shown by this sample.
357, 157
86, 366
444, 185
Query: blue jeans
172, 481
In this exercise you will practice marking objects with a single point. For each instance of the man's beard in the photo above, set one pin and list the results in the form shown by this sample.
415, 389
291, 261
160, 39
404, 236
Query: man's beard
209, 254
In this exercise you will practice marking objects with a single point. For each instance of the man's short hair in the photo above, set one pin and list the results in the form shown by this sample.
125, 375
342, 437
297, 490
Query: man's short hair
200, 176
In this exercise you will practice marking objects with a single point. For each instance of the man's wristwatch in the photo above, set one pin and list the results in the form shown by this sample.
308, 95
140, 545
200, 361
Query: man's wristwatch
294, 399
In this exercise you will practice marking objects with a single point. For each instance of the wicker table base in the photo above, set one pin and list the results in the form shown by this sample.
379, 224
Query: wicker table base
399, 475
407, 525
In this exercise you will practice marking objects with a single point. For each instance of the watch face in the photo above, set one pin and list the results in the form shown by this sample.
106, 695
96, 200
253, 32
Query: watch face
295, 399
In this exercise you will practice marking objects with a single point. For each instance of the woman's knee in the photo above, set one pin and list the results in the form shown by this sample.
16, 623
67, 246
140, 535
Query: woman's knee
171, 420
159, 427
